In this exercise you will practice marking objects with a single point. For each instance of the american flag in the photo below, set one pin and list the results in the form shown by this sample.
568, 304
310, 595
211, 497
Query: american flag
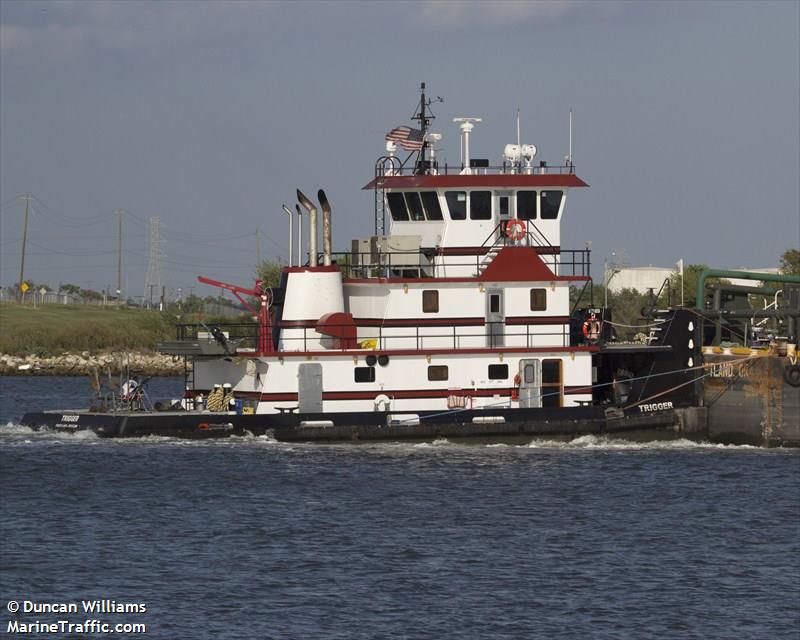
408, 138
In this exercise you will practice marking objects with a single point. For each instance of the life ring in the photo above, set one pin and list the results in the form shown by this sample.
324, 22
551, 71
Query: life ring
591, 330
791, 374
382, 402
515, 229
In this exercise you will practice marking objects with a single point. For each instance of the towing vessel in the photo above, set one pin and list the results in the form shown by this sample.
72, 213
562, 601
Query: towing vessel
453, 319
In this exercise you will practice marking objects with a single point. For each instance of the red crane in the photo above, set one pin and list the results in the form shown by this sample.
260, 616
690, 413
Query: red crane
263, 293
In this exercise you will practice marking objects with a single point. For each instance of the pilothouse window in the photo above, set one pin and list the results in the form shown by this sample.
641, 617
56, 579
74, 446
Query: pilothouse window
480, 205
550, 204
526, 205
431, 202
457, 204
415, 205
397, 206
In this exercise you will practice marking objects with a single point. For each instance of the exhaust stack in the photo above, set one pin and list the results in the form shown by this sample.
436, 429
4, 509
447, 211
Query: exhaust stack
326, 228
312, 227
299, 235
291, 236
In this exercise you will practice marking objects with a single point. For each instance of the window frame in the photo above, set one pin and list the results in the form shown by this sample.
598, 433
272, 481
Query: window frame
482, 194
430, 299
438, 373
370, 376
400, 198
535, 292
495, 376
447, 198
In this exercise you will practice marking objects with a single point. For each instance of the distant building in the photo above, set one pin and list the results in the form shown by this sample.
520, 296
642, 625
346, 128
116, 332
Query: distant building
639, 278
643, 278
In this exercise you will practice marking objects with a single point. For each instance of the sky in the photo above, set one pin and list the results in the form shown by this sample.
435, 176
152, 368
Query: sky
209, 115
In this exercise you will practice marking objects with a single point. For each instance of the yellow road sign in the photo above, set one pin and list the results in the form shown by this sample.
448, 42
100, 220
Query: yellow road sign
24, 287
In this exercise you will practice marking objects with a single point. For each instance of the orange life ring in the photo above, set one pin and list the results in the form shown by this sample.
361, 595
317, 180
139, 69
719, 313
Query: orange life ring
515, 229
591, 330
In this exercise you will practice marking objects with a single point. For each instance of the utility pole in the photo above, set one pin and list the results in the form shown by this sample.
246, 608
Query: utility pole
258, 246
119, 258
27, 199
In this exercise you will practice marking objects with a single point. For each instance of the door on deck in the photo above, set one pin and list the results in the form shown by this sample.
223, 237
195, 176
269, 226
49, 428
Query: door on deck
503, 206
309, 385
552, 383
495, 318
530, 383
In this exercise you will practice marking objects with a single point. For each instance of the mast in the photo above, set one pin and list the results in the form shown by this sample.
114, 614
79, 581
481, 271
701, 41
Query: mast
424, 116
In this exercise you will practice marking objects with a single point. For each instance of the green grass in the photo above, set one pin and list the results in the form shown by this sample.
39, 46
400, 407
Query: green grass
55, 329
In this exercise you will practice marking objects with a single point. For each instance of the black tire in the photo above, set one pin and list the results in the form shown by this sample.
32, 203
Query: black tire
791, 374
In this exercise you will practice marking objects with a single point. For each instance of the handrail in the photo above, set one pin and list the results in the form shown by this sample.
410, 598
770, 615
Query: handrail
488, 334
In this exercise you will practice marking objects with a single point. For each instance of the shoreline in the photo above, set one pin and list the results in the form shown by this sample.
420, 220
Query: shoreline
85, 363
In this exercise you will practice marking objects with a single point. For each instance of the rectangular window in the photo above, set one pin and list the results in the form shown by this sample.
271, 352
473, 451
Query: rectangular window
480, 205
551, 203
437, 372
502, 203
432, 208
526, 205
538, 299
494, 303
430, 301
456, 204
414, 205
364, 374
498, 372
397, 206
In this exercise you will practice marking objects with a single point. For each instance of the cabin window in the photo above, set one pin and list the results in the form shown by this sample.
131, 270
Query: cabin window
526, 205
480, 205
498, 372
551, 383
456, 204
550, 204
397, 206
432, 208
494, 303
529, 374
502, 205
364, 374
430, 301
437, 372
414, 205
538, 299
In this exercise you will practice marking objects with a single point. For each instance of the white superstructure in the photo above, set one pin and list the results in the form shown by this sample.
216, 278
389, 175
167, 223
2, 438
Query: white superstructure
463, 301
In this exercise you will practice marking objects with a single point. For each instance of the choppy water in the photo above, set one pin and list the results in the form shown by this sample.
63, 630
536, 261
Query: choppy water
256, 539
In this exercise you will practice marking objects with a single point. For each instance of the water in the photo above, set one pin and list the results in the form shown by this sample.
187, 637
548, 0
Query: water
256, 539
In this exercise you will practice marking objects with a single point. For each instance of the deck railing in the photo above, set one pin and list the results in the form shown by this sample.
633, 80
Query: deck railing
243, 337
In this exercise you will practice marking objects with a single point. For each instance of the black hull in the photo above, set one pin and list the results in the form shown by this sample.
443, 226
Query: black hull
505, 425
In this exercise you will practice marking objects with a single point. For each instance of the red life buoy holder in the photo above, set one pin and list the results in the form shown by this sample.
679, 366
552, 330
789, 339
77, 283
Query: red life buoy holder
591, 330
515, 388
515, 229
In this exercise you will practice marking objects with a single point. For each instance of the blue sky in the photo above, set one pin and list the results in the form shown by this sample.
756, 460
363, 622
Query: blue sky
210, 115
